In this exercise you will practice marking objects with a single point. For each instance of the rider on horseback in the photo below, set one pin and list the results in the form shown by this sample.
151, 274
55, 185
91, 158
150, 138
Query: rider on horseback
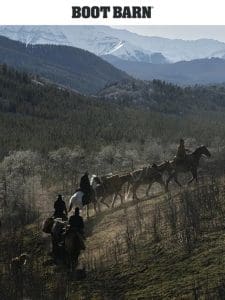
85, 187
60, 208
181, 152
76, 222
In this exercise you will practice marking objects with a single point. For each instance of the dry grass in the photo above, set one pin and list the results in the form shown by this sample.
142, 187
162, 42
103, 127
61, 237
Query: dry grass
168, 246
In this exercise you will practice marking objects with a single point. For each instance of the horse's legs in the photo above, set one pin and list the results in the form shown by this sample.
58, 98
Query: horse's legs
162, 183
194, 176
148, 189
122, 197
128, 191
115, 197
172, 176
75, 262
134, 188
99, 206
106, 204
96, 204
87, 211
176, 180
114, 200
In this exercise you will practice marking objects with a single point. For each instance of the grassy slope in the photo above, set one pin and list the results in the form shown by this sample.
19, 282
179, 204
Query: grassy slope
154, 269
164, 272
160, 270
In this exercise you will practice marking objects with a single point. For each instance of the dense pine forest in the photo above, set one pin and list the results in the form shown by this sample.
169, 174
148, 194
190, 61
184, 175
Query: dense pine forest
41, 117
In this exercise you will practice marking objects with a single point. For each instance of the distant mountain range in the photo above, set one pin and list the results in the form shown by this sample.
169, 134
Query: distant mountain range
68, 66
104, 40
198, 71
52, 52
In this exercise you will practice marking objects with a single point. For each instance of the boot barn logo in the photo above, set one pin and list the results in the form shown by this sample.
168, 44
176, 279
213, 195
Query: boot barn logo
116, 12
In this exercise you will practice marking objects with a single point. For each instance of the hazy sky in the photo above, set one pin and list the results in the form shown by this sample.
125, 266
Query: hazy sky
181, 32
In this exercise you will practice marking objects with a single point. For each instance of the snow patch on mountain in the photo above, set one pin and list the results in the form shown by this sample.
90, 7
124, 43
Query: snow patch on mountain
104, 40
35, 34
121, 44
94, 39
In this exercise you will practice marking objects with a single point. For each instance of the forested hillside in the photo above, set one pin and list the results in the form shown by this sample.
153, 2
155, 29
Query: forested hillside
165, 97
75, 68
170, 245
197, 71
38, 116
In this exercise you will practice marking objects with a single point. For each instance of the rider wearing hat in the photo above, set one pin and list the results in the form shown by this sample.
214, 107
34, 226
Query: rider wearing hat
85, 187
76, 222
181, 152
60, 208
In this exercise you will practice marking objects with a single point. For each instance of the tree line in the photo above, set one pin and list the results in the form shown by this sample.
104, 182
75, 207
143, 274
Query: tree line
41, 117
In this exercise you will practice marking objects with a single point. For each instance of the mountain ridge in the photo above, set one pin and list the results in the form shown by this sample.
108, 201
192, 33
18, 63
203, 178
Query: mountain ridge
69, 66
198, 71
102, 39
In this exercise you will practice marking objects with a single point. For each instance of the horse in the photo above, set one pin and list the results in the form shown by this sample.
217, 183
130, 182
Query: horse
57, 233
106, 186
123, 179
67, 244
190, 164
147, 175
73, 244
76, 200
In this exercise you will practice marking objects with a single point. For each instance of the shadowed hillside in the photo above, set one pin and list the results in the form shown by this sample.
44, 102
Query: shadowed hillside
170, 246
73, 67
197, 71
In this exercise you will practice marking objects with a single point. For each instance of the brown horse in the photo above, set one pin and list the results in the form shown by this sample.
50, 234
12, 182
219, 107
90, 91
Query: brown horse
73, 244
67, 244
190, 164
148, 175
123, 179
109, 186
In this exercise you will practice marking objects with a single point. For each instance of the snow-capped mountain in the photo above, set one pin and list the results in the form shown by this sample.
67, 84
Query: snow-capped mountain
104, 40
35, 34
126, 51
94, 39
68, 67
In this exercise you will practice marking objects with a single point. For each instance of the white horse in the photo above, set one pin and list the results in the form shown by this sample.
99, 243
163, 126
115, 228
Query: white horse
76, 201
